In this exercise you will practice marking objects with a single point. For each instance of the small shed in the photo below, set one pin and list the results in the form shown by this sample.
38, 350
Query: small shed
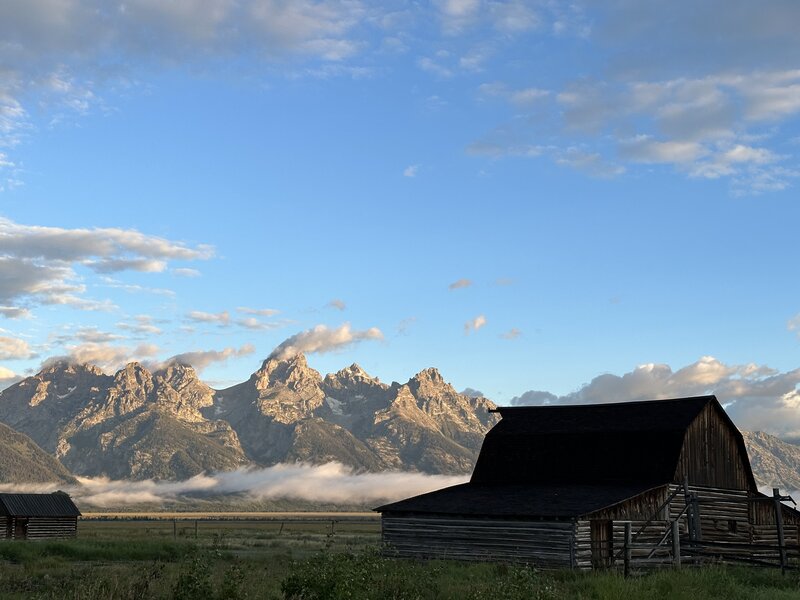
570, 486
38, 516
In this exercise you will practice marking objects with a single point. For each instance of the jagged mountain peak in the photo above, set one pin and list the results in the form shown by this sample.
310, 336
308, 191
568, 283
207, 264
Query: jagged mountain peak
431, 374
352, 374
179, 377
64, 366
292, 372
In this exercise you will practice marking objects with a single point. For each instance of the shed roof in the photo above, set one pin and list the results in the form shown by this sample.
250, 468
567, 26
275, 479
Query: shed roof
57, 504
509, 501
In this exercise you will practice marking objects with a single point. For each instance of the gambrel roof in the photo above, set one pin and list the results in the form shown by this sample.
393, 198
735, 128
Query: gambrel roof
569, 460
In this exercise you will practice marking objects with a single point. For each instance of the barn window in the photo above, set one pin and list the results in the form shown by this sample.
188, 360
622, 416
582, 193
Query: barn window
733, 526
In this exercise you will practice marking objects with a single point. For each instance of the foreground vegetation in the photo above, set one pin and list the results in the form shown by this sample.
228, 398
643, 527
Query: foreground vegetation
304, 561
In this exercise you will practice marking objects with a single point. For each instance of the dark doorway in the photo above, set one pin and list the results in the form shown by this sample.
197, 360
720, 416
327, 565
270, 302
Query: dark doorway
20, 529
602, 543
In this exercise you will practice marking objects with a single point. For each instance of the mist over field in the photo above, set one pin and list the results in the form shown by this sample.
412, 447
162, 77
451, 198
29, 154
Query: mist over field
332, 483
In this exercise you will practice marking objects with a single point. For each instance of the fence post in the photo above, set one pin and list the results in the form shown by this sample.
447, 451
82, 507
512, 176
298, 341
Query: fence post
627, 548
776, 494
174, 529
676, 545
195, 529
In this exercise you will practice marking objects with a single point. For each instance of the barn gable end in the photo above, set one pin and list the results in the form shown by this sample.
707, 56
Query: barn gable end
713, 453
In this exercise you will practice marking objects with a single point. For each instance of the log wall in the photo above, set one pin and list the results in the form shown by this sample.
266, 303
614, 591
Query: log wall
543, 543
42, 528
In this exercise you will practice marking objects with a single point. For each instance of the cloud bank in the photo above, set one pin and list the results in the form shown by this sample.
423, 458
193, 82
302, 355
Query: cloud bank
757, 397
38, 264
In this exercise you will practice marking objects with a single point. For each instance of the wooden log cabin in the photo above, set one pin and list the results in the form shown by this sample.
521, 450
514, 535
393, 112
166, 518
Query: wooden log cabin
555, 486
38, 516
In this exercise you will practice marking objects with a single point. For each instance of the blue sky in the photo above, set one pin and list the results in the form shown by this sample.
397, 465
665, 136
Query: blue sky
577, 198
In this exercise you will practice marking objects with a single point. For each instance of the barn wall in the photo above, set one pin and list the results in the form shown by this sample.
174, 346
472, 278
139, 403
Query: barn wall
543, 543
724, 517
52, 527
724, 514
711, 455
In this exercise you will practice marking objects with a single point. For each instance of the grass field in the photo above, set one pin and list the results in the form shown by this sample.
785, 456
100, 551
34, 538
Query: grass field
319, 557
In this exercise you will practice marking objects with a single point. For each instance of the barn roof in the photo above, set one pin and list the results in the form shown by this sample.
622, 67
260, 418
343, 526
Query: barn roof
571, 460
57, 504
543, 500
624, 442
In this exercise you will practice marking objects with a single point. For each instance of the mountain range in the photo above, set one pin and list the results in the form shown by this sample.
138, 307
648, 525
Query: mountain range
166, 424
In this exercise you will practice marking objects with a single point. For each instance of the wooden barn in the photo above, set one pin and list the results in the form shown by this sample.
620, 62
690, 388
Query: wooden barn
38, 516
596, 486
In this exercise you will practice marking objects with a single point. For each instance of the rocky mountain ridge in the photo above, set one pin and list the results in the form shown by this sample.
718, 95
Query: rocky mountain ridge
168, 424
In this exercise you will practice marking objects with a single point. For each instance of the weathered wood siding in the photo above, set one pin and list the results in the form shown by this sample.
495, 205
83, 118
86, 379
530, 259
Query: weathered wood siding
543, 543
711, 454
52, 527
724, 513
41, 528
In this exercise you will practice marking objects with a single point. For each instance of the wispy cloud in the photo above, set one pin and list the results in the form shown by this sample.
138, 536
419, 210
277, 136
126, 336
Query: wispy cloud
511, 334
186, 272
460, 284
337, 304
261, 312
142, 325
223, 319
410, 171
474, 324
323, 339
201, 359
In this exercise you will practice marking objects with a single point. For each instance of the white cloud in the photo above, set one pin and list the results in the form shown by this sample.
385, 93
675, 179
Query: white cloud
109, 358
261, 312
474, 324
511, 334
143, 325
186, 272
201, 359
410, 171
323, 339
757, 397
223, 319
14, 349
647, 150
429, 65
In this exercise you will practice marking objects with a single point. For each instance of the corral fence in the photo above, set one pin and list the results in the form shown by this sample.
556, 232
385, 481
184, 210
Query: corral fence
676, 550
